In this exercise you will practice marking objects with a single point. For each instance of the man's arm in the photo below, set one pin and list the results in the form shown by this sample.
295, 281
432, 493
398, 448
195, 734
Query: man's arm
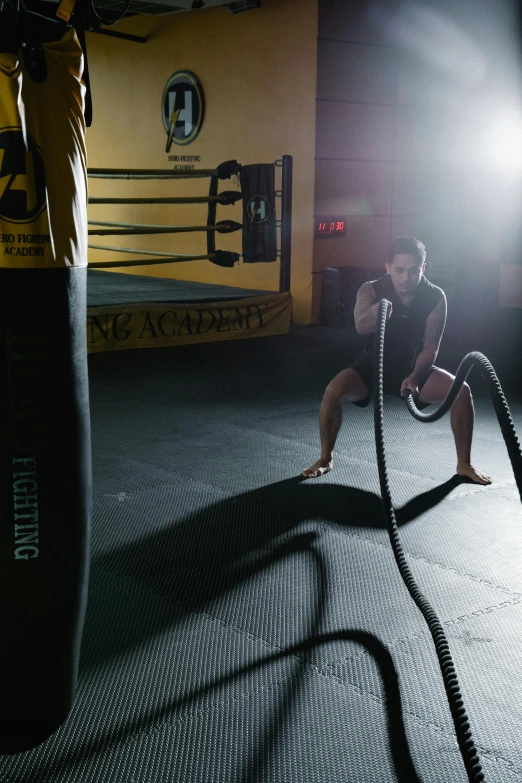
433, 331
366, 309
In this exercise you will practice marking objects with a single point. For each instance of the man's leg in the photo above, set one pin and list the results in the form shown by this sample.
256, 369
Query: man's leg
348, 385
462, 418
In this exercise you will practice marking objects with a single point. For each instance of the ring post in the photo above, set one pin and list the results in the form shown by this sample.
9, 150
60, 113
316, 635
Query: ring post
286, 224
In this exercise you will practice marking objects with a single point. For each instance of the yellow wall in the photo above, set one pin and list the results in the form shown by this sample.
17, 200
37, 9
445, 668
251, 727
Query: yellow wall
258, 72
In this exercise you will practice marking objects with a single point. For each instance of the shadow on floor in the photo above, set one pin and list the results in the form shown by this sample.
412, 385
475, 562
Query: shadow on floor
198, 558
222, 544
204, 555
256, 764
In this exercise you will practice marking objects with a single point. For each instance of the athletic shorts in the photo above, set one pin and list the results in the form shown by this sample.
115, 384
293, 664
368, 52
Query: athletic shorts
393, 378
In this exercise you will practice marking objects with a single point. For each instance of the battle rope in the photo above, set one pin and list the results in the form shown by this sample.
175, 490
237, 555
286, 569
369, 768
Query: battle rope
460, 719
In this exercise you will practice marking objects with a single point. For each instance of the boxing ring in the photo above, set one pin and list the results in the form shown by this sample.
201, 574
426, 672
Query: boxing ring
130, 311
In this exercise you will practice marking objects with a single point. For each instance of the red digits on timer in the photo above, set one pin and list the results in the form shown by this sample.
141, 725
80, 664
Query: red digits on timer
333, 227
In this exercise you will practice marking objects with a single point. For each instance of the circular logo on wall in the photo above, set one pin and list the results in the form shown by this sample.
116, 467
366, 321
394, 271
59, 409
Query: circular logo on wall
183, 108
22, 178
258, 209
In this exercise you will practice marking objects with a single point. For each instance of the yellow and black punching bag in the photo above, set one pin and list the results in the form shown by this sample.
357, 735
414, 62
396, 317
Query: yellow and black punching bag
45, 459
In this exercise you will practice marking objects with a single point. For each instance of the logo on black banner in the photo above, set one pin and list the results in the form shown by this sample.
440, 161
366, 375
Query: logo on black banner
22, 178
258, 209
182, 108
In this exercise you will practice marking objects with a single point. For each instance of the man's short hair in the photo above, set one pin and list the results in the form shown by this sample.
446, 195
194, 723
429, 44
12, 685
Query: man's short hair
409, 246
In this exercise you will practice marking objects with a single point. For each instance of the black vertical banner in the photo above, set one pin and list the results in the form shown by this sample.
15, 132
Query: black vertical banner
259, 213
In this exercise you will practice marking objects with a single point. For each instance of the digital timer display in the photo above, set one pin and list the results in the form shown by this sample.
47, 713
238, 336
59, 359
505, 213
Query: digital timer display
330, 227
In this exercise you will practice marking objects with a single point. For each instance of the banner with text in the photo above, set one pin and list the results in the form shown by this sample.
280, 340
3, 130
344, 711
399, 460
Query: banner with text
159, 325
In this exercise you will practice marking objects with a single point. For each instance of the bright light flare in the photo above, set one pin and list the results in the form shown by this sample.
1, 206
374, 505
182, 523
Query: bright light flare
502, 143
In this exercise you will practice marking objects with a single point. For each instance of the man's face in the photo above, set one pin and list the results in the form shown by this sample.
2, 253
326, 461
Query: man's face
405, 272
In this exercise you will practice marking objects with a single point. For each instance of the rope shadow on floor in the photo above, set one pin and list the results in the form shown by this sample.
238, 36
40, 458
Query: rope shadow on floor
199, 557
256, 768
279, 509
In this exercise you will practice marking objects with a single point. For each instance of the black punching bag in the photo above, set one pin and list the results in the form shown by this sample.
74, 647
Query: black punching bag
45, 460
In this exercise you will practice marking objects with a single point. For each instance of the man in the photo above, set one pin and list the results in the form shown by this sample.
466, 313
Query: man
416, 319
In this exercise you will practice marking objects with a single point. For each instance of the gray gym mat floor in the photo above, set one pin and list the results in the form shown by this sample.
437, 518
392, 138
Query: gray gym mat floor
246, 625
106, 289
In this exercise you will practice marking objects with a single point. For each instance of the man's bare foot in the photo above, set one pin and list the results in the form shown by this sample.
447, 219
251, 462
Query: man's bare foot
318, 468
472, 473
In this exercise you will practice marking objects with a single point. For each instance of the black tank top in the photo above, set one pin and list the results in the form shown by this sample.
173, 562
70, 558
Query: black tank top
404, 334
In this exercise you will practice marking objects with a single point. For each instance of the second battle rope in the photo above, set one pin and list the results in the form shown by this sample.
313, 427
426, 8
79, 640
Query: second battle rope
460, 719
